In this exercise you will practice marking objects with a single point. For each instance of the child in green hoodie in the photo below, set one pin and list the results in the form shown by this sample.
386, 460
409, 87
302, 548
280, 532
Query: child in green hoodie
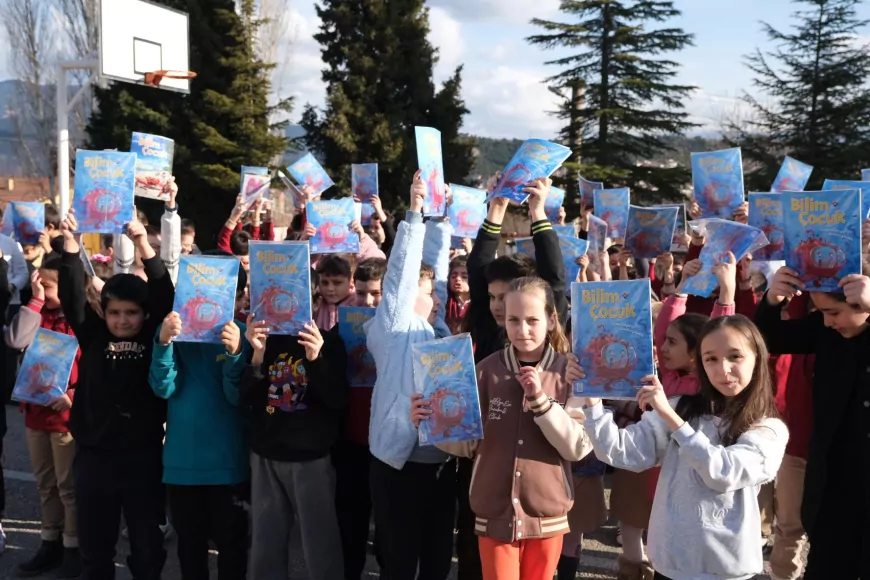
205, 457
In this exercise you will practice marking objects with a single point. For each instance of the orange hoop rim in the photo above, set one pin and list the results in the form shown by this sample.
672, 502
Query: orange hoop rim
154, 78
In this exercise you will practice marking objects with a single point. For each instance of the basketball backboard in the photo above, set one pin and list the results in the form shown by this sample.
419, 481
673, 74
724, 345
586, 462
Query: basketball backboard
139, 38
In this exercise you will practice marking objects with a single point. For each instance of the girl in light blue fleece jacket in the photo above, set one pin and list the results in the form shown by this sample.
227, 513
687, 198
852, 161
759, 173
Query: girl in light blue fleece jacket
716, 449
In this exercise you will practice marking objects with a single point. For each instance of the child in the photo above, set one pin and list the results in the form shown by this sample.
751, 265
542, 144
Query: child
117, 421
49, 443
205, 456
333, 286
522, 490
716, 449
351, 456
297, 389
413, 487
835, 510
188, 238
458, 294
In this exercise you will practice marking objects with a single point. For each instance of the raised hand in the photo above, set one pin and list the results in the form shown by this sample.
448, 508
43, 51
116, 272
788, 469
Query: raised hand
68, 227
312, 340
538, 191
36, 287
170, 329
231, 337
857, 290
726, 274
257, 333
171, 189
420, 409
418, 192
529, 380
784, 285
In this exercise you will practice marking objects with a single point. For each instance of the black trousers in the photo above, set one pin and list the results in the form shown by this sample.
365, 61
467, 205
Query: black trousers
467, 548
414, 515
660, 577
840, 539
216, 512
108, 483
353, 504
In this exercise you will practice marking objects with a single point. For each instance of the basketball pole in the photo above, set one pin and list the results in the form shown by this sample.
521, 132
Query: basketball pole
63, 108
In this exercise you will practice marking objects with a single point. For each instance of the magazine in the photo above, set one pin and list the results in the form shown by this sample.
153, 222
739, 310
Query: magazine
467, 211
841, 184
45, 370
572, 250
28, 220
205, 296
722, 236
679, 243
432, 166
332, 221
307, 171
611, 205
103, 191
361, 370
553, 203
792, 176
364, 184
565, 231
587, 191
281, 285
254, 187
765, 213
650, 230
717, 178
534, 159
153, 164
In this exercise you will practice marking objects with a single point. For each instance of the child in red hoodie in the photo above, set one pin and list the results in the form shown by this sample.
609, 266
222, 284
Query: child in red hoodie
51, 447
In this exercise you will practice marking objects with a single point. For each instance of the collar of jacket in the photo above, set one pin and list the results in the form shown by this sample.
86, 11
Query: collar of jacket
509, 357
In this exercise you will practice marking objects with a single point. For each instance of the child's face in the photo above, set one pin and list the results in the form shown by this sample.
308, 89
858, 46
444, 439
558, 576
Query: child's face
31, 251
334, 289
497, 292
367, 294
427, 303
729, 361
246, 263
459, 280
186, 244
49, 283
674, 353
154, 242
527, 323
840, 316
124, 318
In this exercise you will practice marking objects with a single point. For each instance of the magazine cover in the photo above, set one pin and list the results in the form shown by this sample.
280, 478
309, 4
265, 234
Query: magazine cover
153, 164
525, 246
587, 191
467, 212
612, 337
255, 186
822, 236
364, 184
103, 190
722, 236
650, 230
611, 205
765, 213
205, 296
865, 175
553, 202
566, 231
307, 171
841, 184
444, 374
572, 250
332, 221
717, 178
46, 367
360, 364
678, 244
596, 235
281, 285
534, 159
792, 176
28, 220
432, 166
254, 170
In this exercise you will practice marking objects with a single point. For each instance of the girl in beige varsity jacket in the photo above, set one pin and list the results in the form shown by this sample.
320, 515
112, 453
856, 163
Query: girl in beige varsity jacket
521, 487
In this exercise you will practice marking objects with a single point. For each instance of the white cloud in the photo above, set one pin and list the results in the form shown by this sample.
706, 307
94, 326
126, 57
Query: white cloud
497, 52
511, 11
301, 62
711, 111
445, 34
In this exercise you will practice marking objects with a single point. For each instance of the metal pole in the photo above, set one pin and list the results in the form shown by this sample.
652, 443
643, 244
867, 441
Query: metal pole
62, 140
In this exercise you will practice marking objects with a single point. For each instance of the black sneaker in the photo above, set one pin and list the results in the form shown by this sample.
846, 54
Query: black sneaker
48, 557
71, 568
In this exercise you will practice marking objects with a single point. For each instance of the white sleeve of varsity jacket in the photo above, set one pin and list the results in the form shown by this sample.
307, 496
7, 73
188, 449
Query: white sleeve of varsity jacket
636, 448
563, 432
170, 241
124, 253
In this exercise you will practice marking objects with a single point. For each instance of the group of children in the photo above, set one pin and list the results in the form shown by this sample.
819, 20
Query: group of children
690, 455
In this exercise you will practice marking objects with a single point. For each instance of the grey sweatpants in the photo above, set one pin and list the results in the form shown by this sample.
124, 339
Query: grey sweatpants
281, 493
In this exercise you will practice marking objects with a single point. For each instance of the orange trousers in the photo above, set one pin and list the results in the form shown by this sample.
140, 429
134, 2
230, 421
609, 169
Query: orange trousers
534, 559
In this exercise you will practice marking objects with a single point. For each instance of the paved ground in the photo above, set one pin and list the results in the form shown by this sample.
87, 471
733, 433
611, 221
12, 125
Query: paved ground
22, 524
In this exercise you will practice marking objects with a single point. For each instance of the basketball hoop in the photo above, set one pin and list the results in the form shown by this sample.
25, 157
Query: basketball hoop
155, 77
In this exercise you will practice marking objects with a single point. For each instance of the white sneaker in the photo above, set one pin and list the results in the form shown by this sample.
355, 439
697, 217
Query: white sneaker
166, 528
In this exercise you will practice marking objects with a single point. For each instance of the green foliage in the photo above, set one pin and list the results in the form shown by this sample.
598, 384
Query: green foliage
379, 87
224, 123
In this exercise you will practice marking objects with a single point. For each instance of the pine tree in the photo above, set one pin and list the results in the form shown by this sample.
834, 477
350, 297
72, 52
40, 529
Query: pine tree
816, 107
379, 87
619, 97
222, 124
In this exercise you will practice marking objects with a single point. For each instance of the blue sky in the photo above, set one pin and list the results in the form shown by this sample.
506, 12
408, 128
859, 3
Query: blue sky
503, 76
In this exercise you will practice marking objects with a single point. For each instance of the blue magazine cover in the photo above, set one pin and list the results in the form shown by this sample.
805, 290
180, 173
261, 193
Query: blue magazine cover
650, 230
153, 164
566, 231
525, 246
431, 165
865, 175
467, 212
360, 364
587, 191
717, 178
332, 221
611, 205
572, 249
444, 374
45, 370
841, 184
255, 186
596, 235
281, 285
307, 171
612, 337
765, 213
722, 236
792, 176
822, 236
254, 170
534, 159
103, 191
678, 243
205, 296
364, 184
553, 202
28, 220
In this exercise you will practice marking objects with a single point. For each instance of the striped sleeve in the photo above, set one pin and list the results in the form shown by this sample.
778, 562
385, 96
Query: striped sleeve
540, 404
541, 226
491, 228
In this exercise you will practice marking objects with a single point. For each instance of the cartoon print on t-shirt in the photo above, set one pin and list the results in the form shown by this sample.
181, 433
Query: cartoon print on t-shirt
288, 382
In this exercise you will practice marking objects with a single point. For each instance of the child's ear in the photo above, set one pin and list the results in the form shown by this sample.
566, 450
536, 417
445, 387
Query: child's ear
551, 323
